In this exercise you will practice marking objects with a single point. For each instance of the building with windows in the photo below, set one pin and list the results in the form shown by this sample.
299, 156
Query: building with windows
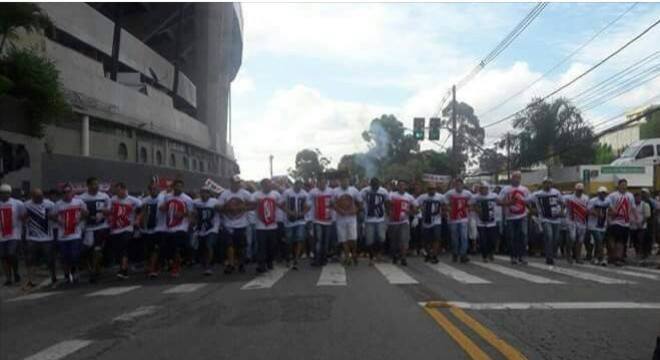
622, 137
150, 87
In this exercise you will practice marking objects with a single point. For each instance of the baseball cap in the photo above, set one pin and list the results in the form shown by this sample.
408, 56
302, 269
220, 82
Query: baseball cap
602, 189
547, 179
5, 188
579, 186
645, 190
236, 178
484, 184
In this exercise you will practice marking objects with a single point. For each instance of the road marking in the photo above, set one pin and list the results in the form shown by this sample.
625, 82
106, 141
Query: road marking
456, 274
459, 337
546, 305
139, 312
184, 288
517, 273
117, 290
60, 350
332, 275
648, 270
576, 274
34, 296
621, 272
266, 280
509, 352
394, 275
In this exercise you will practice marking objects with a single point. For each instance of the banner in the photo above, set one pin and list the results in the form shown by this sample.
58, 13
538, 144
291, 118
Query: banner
436, 179
213, 186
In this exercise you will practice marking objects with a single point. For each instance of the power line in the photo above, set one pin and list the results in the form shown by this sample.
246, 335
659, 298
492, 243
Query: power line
571, 82
622, 89
563, 61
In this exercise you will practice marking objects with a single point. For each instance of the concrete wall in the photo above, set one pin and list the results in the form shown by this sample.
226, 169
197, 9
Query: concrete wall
619, 140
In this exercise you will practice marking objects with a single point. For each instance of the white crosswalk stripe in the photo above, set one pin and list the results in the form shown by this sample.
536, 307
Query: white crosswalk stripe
647, 270
517, 273
60, 350
34, 296
332, 275
112, 291
622, 272
184, 288
394, 275
456, 274
580, 274
266, 280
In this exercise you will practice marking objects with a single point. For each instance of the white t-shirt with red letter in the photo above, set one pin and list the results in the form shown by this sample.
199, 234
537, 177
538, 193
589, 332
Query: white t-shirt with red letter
122, 213
400, 206
266, 209
459, 205
320, 202
519, 195
621, 206
69, 215
11, 223
178, 208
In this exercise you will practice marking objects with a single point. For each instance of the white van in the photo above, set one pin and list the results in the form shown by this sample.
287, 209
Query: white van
641, 153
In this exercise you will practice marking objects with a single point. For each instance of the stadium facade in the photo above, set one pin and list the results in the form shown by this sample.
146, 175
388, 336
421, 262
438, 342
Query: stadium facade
149, 84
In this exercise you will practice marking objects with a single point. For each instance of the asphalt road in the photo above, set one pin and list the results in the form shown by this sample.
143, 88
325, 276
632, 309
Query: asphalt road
450, 311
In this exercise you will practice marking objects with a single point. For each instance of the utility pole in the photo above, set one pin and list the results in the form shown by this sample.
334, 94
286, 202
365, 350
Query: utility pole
116, 38
453, 131
508, 157
270, 158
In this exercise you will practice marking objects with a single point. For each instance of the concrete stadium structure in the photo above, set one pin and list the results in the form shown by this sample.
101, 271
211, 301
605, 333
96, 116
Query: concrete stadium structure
150, 87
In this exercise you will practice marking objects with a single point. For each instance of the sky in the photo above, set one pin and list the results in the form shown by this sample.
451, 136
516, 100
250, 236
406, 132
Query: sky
315, 75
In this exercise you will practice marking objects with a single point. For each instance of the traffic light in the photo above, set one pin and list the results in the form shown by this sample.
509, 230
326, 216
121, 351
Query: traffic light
418, 128
434, 129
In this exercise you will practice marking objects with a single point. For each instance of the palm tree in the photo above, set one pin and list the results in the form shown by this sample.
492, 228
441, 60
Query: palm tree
555, 133
28, 16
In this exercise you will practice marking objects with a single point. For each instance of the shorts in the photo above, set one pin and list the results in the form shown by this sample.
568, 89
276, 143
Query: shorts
208, 241
346, 230
236, 237
37, 249
295, 233
431, 234
120, 243
70, 251
400, 234
8, 248
95, 238
374, 232
172, 242
153, 241
619, 233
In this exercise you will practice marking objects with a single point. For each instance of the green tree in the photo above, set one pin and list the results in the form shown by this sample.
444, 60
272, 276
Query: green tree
554, 133
310, 164
492, 161
651, 128
351, 164
603, 154
27, 16
469, 134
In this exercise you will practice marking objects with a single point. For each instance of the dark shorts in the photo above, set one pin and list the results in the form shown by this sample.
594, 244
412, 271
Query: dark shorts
120, 244
70, 251
619, 233
431, 234
152, 242
236, 237
99, 238
40, 249
172, 242
8, 248
207, 242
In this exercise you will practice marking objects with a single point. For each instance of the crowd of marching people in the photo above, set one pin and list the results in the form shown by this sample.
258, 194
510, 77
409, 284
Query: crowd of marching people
329, 219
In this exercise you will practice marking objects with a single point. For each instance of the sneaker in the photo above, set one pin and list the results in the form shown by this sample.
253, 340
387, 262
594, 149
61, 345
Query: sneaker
174, 274
228, 269
241, 268
269, 266
522, 261
261, 270
70, 278
295, 266
491, 257
603, 263
454, 258
549, 262
153, 275
484, 259
404, 262
579, 262
121, 274
394, 260
7, 283
208, 272
465, 259
17, 278
434, 260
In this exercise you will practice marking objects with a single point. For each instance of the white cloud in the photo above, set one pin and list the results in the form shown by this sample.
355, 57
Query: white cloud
298, 118
243, 84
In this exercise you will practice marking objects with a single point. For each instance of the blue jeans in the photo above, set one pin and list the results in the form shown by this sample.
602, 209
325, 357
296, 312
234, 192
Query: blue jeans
599, 240
459, 238
322, 235
295, 234
550, 239
516, 237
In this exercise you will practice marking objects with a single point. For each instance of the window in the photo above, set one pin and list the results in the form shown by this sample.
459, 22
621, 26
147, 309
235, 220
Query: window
172, 160
122, 152
159, 158
186, 164
201, 166
645, 152
194, 164
143, 155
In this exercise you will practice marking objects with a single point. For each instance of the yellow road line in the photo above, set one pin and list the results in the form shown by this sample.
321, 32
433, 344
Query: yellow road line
470, 347
509, 352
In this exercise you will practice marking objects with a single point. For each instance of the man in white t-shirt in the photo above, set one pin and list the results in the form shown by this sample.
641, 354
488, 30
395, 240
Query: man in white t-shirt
320, 203
39, 234
207, 227
295, 207
431, 205
266, 201
70, 212
549, 202
577, 205
235, 208
598, 207
124, 210
401, 206
458, 200
96, 227
484, 204
374, 199
153, 227
346, 201
12, 212
178, 209
513, 198
620, 213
